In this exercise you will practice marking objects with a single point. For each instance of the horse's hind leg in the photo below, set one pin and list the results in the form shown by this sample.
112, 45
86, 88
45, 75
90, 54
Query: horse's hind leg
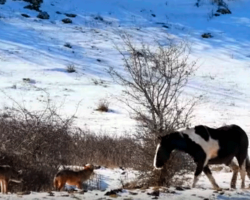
208, 173
248, 167
235, 169
198, 172
243, 174
242, 159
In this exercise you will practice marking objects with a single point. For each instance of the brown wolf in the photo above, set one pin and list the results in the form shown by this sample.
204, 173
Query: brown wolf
8, 174
72, 177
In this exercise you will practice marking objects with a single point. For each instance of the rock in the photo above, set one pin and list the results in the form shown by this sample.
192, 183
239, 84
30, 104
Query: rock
34, 1
34, 4
160, 23
67, 21
43, 15
57, 12
51, 194
32, 7
113, 192
64, 195
224, 11
25, 15
26, 80
153, 15
169, 191
187, 188
70, 15
206, 35
23, 193
133, 193
68, 45
2, 2
179, 188
98, 17
154, 193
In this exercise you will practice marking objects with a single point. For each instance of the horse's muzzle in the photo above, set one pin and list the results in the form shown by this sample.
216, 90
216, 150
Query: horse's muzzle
157, 168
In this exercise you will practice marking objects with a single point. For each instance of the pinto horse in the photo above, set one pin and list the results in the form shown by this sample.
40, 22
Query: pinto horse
208, 146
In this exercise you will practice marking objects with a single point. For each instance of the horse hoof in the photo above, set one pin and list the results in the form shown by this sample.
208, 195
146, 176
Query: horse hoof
218, 189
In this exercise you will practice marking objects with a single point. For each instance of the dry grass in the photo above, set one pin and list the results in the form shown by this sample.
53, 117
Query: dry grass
103, 106
71, 68
40, 142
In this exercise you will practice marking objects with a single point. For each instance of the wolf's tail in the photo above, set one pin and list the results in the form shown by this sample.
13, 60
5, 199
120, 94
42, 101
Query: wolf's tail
56, 183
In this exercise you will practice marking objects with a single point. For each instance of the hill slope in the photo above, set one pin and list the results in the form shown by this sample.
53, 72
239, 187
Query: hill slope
34, 48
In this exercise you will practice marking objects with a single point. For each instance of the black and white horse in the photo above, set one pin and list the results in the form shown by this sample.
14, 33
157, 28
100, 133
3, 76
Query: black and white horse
208, 146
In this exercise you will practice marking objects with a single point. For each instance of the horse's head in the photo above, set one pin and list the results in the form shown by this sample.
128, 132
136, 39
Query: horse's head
166, 145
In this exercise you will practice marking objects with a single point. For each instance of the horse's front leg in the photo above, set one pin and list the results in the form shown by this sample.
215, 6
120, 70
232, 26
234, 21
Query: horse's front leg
208, 173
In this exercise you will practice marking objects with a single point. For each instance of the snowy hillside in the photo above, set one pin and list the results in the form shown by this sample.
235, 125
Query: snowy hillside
35, 53
34, 48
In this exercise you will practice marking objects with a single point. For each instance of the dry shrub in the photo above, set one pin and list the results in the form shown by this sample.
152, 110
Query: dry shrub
102, 149
71, 68
40, 142
37, 143
103, 106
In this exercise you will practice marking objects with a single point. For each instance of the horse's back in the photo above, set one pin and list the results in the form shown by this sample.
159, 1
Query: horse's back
230, 133
233, 142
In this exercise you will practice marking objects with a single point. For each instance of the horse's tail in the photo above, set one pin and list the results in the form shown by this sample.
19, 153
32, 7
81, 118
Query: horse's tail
248, 166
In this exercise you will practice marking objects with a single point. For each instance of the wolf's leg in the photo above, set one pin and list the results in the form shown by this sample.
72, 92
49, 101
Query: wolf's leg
79, 185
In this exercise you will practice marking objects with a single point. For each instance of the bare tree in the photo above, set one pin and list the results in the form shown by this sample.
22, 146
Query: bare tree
154, 79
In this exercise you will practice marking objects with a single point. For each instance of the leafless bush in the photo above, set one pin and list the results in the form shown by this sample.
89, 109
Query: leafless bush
71, 68
40, 142
37, 142
102, 149
103, 106
154, 80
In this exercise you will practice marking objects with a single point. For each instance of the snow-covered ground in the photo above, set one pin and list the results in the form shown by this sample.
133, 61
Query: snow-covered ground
34, 48
111, 179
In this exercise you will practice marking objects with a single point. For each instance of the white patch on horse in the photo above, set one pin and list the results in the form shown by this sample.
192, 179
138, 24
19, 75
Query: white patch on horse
157, 149
210, 147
